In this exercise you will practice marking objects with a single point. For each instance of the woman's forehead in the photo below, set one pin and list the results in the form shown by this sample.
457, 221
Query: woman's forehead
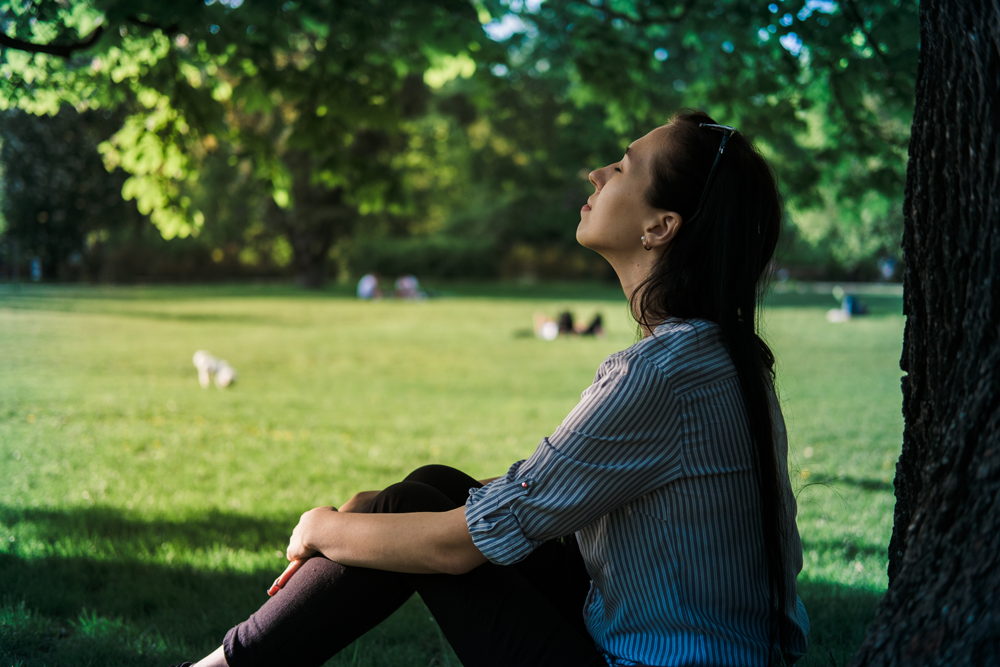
642, 148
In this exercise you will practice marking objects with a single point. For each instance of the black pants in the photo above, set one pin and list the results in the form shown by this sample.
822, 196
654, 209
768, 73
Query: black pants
526, 614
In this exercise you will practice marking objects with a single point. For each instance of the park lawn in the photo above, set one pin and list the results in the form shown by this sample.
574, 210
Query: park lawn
141, 515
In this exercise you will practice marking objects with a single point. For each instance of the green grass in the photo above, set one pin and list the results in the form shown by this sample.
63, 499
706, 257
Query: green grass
141, 516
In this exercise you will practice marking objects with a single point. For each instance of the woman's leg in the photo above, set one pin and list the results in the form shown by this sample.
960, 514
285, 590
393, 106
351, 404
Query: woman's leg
450, 482
325, 606
492, 615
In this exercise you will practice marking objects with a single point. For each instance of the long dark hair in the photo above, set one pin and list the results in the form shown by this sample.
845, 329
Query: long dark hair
716, 268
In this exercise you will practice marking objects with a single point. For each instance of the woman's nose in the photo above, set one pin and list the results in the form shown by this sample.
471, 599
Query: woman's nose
595, 179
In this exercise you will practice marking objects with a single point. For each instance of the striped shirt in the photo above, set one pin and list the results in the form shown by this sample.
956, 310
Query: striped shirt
653, 471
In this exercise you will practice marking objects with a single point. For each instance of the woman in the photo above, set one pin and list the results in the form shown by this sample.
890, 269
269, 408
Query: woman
656, 525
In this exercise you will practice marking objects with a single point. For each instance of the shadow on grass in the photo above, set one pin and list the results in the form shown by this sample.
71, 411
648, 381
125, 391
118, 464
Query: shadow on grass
848, 549
72, 296
195, 605
541, 291
839, 616
103, 566
110, 309
863, 483
78, 611
878, 304
168, 291
99, 601
866, 484
214, 528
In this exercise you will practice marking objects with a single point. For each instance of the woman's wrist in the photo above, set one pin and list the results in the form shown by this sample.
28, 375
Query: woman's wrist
310, 533
319, 525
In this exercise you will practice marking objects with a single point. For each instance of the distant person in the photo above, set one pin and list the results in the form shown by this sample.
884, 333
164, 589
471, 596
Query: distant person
595, 328
655, 526
547, 328
408, 287
887, 267
853, 306
368, 287
850, 306
565, 323
568, 327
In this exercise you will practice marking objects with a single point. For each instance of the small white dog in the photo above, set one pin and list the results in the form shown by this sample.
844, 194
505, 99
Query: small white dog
208, 366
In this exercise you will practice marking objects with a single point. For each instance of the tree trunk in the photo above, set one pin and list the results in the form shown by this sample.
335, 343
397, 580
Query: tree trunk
944, 557
317, 218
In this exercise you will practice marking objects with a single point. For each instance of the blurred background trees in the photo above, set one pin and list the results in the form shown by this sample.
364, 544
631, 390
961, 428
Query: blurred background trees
59, 201
325, 138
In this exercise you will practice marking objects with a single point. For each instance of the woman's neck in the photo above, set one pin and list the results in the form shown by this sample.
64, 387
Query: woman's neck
633, 268
651, 320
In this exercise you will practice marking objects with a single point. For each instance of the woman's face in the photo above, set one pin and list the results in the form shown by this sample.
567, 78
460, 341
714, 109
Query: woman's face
617, 214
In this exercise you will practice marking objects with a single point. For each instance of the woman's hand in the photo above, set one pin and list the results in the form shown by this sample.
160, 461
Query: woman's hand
298, 543
359, 500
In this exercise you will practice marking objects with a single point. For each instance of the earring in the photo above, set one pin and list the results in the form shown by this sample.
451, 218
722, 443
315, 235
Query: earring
643, 239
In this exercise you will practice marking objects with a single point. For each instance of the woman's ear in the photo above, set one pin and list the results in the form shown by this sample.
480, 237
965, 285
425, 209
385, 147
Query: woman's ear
663, 228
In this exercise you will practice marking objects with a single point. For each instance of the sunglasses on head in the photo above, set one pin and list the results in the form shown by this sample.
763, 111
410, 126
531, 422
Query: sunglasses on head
727, 131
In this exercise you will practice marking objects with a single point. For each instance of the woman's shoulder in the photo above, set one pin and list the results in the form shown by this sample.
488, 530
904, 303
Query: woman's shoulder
690, 352
680, 340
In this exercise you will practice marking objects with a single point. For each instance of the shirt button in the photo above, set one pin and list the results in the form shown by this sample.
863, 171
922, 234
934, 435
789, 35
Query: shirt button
524, 484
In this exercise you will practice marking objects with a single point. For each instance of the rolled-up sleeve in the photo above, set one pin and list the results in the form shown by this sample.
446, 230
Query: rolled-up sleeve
611, 449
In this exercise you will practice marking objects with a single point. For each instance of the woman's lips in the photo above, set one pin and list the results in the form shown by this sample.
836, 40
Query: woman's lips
586, 207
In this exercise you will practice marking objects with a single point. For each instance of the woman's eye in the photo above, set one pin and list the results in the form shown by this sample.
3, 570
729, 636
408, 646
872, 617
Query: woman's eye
618, 169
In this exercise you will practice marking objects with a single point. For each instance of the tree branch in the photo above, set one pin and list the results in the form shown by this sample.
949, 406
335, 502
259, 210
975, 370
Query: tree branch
868, 37
67, 50
61, 50
864, 128
645, 19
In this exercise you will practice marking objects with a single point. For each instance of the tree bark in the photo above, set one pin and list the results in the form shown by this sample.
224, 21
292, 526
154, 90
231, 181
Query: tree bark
944, 556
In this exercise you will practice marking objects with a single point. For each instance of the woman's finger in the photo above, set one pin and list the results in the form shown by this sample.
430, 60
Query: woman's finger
292, 568
280, 582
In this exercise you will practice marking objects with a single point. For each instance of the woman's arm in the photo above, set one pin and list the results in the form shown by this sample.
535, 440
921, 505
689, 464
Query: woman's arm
620, 442
416, 542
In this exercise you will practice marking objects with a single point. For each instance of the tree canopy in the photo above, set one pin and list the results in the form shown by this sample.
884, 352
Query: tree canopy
467, 119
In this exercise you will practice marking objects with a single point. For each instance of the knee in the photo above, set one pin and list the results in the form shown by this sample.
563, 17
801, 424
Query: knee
433, 474
411, 496
450, 481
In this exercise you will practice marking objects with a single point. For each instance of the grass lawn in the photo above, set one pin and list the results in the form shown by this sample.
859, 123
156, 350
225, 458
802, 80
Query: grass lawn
141, 515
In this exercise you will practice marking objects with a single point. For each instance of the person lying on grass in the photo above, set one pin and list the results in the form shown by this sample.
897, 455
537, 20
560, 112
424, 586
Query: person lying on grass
656, 526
